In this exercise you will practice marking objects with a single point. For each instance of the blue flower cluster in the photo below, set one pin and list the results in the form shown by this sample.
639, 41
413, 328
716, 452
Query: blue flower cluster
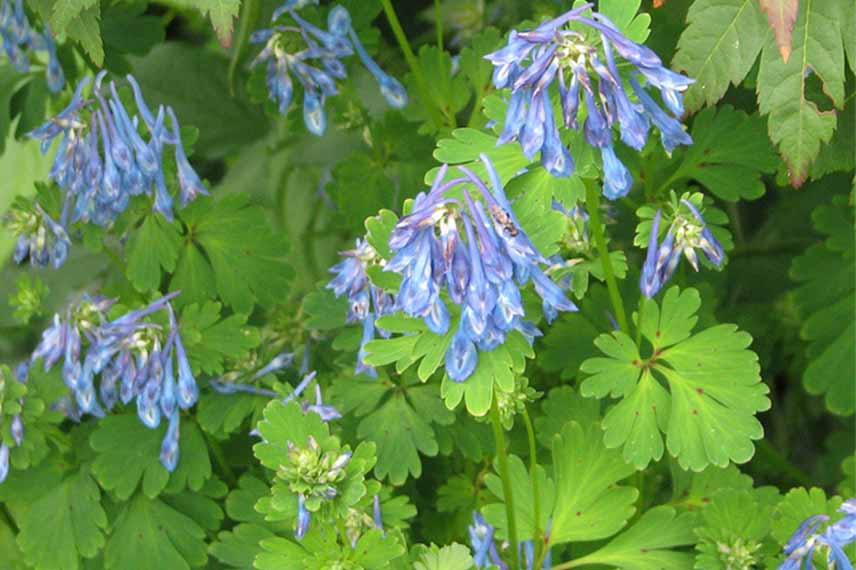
16, 427
801, 546
365, 301
103, 160
135, 359
484, 548
481, 271
685, 234
41, 239
551, 53
19, 36
316, 61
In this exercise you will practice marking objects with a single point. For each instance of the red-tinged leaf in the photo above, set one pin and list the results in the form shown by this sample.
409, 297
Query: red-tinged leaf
782, 15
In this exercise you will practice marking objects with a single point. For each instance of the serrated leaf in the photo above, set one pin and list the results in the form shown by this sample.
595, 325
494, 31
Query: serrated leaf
718, 47
285, 423
715, 389
76, 524
649, 544
796, 125
64, 11
826, 273
532, 196
728, 155
324, 310
150, 533
210, 340
221, 12
237, 548
798, 505
781, 15
152, 247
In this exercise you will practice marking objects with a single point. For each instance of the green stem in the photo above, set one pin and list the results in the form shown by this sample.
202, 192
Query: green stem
247, 22
412, 62
10, 520
643, 301
536, 494
502, 456
593, 204
438, 22
220, 458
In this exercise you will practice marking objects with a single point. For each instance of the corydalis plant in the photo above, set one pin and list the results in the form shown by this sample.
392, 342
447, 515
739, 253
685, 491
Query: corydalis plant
19, 37
103, 161
366, 302
135, 359
316, 61
481, 271
806, 540
41, 239
581, 60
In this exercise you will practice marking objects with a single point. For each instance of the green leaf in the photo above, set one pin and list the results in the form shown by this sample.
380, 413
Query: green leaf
285, 423
376, 190
467, 144
524, 503
401, 429
798, 505
649, 544
151, 533
452, 557
153, 247
473, 64
560, 406
79, 20
378, 230
246, 271
715, 389
64, 11
623, 13
589, 505
719, 46
448, 92
324, 310
237, 548
532, 196
67, 522
127, 454
796, 125
420, 345
375, 550
10, 82
495, 368
826, 273
729, 154
693, 491
210, 340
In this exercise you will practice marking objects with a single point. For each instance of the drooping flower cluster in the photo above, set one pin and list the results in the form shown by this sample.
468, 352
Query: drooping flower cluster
481, 271
19, 37
41, 239
135, 359
585, 72
685, 235
103, 160
315, 57
801, 547
366, 302
485, 553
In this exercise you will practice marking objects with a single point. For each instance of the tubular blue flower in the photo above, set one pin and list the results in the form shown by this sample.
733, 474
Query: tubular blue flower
481, 268
534, 59
801, 546
378, 518
686, 233
20, 39
318, 65
169, 451
41, 239
4, 461
303, 518
616, 178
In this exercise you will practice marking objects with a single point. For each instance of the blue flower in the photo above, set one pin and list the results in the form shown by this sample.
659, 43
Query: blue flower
19, 37
801, 546
303, 518
481, 269
130, 359
4, 461
686, 233
41, 239
318, 64
532, 60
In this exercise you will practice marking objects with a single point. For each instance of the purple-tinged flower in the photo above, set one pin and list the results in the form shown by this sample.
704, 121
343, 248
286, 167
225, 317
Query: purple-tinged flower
687, 232
482, 268
102, 161
801, 546
4, 461
41, 240
318, 64
169, 451
532, 60
19, 38
16, 429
